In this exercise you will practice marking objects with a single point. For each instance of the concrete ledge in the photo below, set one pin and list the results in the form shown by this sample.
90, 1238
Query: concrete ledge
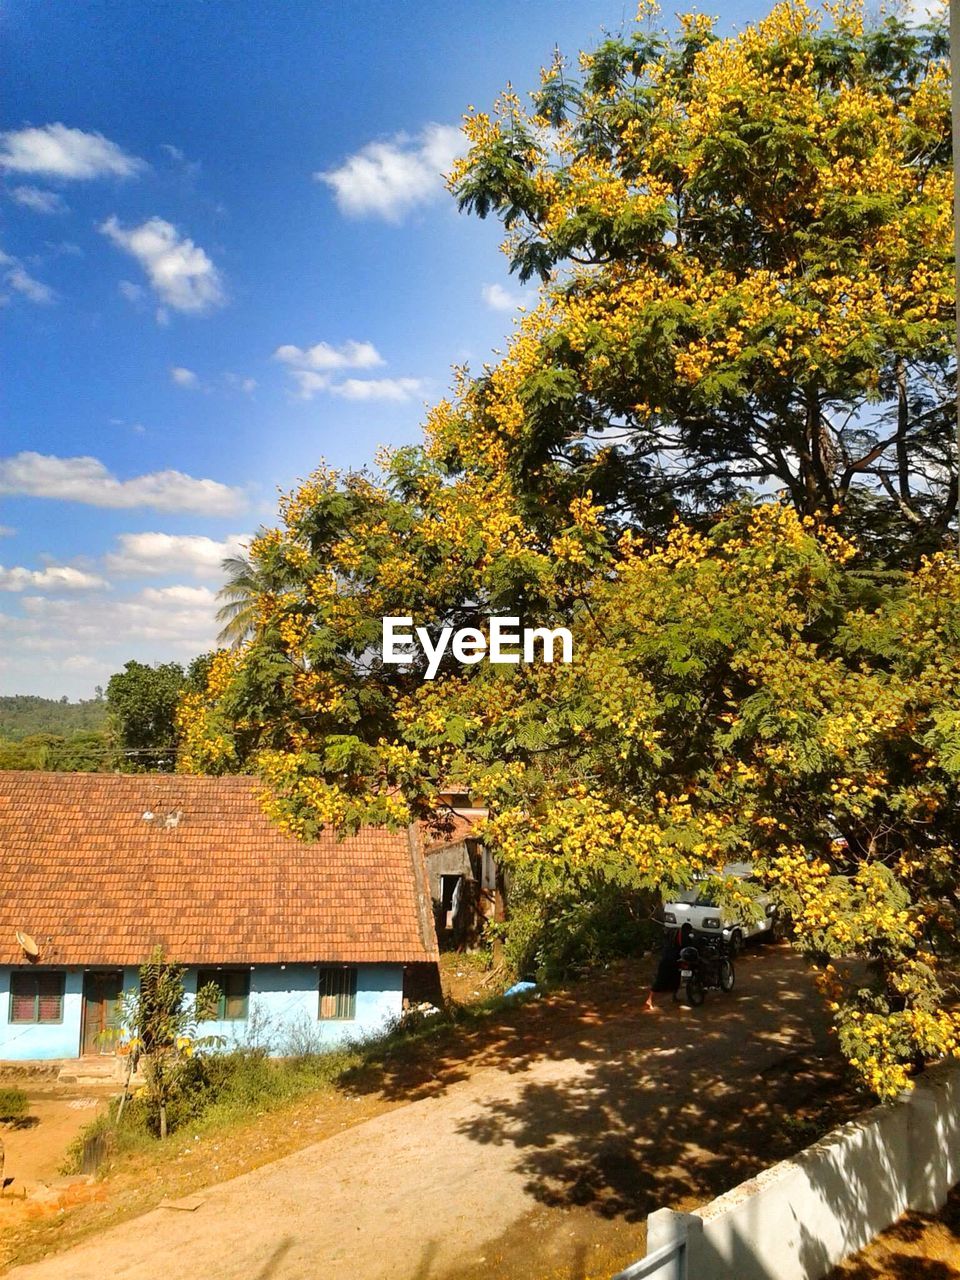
799, 1218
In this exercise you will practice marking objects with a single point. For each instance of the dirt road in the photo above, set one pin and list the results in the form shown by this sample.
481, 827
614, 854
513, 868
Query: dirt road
542, 1160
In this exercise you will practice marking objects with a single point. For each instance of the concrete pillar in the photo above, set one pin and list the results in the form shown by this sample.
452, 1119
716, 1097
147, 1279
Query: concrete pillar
664, 1226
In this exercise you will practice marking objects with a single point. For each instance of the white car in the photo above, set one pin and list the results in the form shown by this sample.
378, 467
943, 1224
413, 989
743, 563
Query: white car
697, 906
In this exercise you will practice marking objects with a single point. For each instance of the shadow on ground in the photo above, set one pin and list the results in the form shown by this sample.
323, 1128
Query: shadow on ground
918, 1247
664, 1109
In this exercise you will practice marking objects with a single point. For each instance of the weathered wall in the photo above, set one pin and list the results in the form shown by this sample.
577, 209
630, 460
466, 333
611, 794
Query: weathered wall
796, 1220
453, 860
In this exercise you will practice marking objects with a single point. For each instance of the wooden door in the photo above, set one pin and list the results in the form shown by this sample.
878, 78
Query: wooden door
101, 992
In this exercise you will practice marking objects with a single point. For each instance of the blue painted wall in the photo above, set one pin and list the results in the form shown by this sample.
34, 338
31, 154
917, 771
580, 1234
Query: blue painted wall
283, 1012
285, 1002
25, 1040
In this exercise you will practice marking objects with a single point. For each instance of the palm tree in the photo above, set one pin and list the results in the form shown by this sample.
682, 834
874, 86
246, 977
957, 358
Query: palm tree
238, 614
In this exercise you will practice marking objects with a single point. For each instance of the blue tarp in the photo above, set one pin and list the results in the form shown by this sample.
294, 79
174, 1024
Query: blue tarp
519, 988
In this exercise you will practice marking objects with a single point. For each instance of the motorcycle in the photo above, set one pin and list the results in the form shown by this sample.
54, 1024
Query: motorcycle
707, 965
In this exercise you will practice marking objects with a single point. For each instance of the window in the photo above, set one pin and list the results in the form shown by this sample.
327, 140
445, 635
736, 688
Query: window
36, 997
451, 900
234, 988
338, 993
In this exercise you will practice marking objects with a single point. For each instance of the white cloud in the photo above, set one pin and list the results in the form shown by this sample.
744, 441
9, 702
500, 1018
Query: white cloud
18, 278
184, 377
155, 624
179, 615
87, 480
7, 531
55, 577
170, 554
500, 299
181, 274
60, 152
246, 385
378, 388
179, 595
65, 248
352, 355
137, 428
66, 645
38, 200
309, 383
190, 168
312, 368
386, 179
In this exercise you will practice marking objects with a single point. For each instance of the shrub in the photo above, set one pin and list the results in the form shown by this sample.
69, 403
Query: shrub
550, 939
13, 1104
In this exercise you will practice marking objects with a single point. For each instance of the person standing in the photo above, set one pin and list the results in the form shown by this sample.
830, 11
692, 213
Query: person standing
667, 976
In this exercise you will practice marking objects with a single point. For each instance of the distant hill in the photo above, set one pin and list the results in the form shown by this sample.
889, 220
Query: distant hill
22, 715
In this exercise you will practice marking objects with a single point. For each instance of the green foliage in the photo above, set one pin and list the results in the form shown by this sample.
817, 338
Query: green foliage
218, 1090
567, 934
246, 582
13, 1104
81, 753
24, 716
225, 1089
734, 695
142, 704
159, 1027
748, 245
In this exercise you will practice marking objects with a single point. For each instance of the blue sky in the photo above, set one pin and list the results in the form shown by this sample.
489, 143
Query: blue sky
193, 317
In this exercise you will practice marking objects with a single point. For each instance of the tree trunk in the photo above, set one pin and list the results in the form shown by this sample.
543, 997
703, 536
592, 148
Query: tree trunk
818, 486
499, 914
903, 423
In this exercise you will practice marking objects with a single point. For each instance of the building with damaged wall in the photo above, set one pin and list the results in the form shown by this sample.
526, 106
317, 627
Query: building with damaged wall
462, 874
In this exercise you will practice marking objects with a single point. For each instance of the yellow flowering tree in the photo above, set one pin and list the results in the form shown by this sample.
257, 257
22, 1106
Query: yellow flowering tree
747, 243
735, 694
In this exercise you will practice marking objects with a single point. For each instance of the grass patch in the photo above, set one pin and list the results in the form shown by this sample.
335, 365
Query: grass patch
224, 1090
477, 961
13, 1104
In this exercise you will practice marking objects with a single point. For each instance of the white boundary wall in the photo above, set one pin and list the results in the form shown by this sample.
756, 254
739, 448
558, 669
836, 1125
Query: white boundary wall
798, 1219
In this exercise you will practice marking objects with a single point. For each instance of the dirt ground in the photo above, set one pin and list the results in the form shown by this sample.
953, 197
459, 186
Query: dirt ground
918, 1247
34, 1146
531, 1147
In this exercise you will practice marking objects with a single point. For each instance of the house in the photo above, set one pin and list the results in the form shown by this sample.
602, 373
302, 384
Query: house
465, 886
313, 941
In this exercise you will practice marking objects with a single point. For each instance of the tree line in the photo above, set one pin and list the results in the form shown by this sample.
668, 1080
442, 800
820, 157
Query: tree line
130, 727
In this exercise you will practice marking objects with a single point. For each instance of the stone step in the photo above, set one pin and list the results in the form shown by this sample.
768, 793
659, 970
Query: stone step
93, 1071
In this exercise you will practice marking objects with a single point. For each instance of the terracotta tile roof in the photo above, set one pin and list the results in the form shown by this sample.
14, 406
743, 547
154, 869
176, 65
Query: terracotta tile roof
95, 882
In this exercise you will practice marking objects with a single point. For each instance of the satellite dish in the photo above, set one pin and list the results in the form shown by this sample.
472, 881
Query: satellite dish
28, 944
